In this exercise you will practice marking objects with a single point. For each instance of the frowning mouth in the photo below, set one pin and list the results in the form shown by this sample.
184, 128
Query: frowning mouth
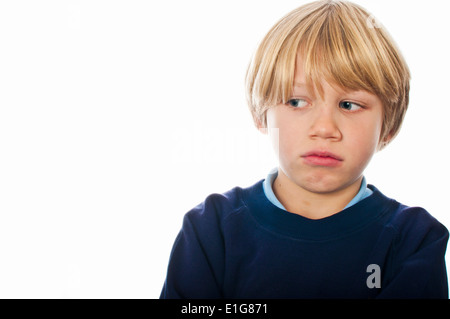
322, 158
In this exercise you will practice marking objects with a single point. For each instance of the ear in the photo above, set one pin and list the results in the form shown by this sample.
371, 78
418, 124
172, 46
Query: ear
261, 126
385, 141
388, 138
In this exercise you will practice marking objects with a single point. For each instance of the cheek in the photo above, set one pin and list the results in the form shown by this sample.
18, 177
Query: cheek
292, 142
285, 133
365, 141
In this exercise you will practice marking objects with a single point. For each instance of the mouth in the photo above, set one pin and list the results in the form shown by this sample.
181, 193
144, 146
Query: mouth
322, 158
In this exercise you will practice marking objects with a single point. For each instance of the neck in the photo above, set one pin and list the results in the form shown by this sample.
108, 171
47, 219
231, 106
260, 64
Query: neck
309, 204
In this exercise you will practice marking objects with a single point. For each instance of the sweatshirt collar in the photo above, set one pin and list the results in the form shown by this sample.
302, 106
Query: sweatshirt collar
363, 192
340, 224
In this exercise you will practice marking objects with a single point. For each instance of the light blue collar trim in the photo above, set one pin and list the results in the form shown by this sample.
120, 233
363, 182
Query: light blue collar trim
268, 190
364, 191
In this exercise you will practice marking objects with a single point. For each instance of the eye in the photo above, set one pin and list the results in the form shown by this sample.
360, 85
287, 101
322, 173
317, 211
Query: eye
297, 103
349, 106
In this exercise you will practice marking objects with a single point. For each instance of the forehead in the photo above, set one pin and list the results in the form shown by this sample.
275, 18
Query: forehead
324, 84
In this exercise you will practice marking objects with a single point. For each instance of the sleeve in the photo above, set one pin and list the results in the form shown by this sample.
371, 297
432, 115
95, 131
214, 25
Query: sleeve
197, 259
420, 271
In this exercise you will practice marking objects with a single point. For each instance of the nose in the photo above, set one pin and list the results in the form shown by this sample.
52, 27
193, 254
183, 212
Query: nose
324, 125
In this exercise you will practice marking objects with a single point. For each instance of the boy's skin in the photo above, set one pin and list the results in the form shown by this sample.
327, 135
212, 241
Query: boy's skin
314, 186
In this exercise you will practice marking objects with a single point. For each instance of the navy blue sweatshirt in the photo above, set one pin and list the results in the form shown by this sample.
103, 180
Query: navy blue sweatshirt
239, 245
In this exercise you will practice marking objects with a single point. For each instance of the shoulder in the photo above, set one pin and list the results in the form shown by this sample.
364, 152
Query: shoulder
408, 220
415, 229
416, 220
219, 206
415, 266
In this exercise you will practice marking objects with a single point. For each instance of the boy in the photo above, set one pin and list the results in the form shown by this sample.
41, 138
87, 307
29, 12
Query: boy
330, 89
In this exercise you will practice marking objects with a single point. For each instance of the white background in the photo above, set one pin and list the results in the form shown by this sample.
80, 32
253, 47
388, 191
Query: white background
117, 117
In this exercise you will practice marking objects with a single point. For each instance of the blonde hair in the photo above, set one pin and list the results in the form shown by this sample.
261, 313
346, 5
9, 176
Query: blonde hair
339, 42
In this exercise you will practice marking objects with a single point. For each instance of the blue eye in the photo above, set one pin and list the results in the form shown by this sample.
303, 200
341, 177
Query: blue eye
297, 103
349, 106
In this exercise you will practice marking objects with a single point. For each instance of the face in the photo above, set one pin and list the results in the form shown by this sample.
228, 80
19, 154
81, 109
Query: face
325, 142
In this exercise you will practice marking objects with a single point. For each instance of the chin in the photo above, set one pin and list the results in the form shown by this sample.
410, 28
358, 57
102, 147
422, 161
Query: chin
321, 184
320, 189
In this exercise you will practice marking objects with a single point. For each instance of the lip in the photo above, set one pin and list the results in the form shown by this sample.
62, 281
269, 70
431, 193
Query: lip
322, 158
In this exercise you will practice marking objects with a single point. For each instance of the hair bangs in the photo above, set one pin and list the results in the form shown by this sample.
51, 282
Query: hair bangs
335, 51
